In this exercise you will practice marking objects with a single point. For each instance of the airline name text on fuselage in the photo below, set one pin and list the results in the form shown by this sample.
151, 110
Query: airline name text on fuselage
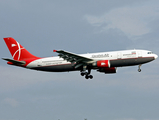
100, 55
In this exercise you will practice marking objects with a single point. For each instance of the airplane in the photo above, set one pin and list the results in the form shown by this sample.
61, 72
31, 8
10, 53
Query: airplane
104, 62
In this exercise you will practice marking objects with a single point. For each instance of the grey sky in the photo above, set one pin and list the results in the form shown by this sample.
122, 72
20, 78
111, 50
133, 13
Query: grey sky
79, 27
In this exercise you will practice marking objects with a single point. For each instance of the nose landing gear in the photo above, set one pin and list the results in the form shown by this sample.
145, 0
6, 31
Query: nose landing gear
139, 69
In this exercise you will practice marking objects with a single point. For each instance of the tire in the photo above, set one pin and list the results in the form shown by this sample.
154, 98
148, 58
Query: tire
139, 70
91, 77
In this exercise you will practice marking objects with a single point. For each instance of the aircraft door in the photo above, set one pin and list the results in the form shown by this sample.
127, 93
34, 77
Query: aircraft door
139, 53
119, 55
39, 63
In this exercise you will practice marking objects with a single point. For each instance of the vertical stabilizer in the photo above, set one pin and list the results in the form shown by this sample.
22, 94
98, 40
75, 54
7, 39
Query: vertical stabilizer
17, 51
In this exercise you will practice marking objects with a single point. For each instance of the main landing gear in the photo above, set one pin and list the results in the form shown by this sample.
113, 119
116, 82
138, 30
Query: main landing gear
86, 74
139, 70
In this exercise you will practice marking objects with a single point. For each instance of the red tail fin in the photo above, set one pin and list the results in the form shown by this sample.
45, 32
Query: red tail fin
17, 51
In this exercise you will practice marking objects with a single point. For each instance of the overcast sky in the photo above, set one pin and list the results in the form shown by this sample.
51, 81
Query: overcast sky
79, 27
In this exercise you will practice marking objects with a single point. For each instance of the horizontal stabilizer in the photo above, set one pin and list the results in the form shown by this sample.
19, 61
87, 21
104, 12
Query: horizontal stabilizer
14, 61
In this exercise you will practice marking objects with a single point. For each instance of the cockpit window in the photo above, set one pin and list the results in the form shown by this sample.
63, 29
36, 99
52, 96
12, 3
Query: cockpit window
150, 53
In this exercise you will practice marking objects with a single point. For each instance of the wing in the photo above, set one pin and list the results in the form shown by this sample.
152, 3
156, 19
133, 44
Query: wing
74, 58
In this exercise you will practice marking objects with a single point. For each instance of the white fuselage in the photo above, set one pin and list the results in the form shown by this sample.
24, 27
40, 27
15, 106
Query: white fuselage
143, 56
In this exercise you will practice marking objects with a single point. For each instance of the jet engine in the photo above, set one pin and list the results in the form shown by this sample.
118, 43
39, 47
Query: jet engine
102, 64
107, 70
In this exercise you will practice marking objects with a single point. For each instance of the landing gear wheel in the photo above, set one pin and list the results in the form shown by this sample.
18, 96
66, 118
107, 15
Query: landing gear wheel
90, 76
82, 74
139, 70
86, 76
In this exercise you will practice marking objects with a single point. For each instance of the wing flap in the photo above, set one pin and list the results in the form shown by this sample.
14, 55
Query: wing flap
71, 57
74, 58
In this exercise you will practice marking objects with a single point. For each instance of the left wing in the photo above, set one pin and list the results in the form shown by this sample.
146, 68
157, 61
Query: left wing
74, 58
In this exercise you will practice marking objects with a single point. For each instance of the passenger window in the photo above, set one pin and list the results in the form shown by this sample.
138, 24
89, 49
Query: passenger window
150, 53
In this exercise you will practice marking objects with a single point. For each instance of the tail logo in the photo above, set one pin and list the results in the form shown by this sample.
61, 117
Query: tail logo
19, 50
13, 45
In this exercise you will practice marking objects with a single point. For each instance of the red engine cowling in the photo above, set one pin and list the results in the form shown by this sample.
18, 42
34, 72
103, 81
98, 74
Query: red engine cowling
103, 63
107, 70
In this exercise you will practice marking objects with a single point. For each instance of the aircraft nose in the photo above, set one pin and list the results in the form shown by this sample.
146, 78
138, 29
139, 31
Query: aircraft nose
155, 56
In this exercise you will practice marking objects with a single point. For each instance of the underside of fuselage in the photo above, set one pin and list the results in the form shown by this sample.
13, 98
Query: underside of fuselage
130, 61
56, 68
